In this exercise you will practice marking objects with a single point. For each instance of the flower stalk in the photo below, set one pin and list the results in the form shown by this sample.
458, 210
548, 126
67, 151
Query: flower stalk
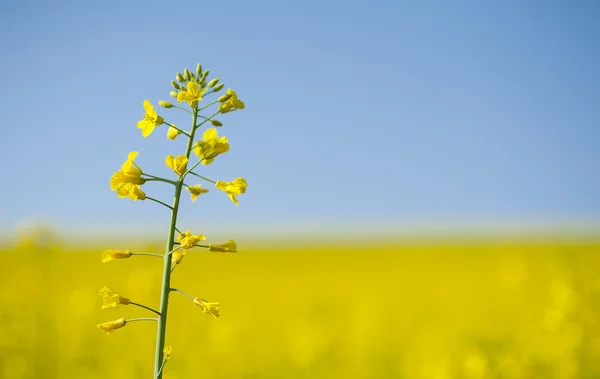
166, 280
127, 183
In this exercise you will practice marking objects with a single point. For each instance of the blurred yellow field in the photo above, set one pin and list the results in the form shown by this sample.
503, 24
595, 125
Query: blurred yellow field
400, 311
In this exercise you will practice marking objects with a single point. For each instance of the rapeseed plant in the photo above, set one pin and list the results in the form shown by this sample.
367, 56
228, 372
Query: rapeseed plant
189, 89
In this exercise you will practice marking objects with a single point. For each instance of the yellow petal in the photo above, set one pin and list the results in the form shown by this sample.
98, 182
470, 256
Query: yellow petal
169, 161
148, 107
210, 134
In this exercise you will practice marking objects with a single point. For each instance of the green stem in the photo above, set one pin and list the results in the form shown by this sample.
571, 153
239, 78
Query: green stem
145, 307
158, 178
207, 119
141, 319
202, 177
161, 330
161, 367
179, 130
193, 167
181, 292
150, 254
206, 106
160, 202
183, 109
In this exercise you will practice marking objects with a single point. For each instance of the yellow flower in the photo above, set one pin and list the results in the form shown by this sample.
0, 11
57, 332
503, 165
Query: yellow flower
172, 133
238, 186
232, 103
177, 257
133, 191
187, 240
111, 299
227, 247
150, 121
208, 308
129, 173
167, 352
192, 94
111, 254
211, 146
109, 326
178, 164
196, 191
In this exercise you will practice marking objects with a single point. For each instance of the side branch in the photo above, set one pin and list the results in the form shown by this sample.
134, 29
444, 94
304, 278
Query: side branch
160, 202
145, 307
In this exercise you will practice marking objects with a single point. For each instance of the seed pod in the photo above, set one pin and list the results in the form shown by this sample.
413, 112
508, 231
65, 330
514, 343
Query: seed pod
179, 77
174, 84
218, 87
224, 98
216, 122
213, 82
164, 104
173, 94
199, 69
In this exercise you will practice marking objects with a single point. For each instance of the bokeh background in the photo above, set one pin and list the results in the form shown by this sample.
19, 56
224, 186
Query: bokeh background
422, 188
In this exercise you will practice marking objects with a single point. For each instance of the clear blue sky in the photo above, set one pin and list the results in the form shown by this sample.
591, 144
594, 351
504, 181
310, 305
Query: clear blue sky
358, 112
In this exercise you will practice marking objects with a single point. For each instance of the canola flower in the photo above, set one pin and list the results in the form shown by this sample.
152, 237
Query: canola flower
150, 121
189, 89
196, 191
237, 187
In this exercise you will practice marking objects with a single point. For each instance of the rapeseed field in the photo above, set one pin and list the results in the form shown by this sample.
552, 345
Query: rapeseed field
402, 310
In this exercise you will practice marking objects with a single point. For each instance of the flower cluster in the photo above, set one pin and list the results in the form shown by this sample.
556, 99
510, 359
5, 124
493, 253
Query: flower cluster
190, 89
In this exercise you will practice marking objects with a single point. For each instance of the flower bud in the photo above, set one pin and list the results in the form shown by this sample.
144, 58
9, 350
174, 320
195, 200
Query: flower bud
216, 122
173, 94
174, 84
186, 74
205, 74
203, 83
164, 104
179, 77
213, 82
218, 87
172, 133
224, 98
199, 69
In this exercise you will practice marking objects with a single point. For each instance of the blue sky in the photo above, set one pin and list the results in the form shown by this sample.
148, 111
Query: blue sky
359, 113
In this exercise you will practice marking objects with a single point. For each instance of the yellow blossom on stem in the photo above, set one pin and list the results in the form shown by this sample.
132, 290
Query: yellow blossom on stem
187, 240
227, 247
178, 164
191, 94
110, 326
172, 133
232, 103
150, 121
110, 254
209, 308
238, 186
130, 172
196, 191
111, 299
210, 146
178, 257
133, 191
167, 352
